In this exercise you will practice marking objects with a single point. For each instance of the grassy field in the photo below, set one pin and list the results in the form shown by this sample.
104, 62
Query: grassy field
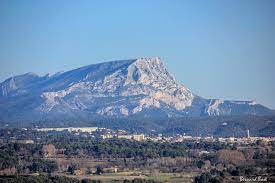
120, 177
172, 177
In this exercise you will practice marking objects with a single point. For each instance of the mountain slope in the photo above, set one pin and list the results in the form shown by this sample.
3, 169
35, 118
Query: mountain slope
141, 87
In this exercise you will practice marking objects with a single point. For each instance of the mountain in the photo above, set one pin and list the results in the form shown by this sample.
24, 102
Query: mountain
137, 87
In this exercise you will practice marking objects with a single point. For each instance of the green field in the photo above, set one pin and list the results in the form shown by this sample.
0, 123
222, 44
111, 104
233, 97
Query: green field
120, 177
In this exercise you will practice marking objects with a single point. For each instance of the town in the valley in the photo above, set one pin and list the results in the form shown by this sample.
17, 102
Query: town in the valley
101, 154
122, 134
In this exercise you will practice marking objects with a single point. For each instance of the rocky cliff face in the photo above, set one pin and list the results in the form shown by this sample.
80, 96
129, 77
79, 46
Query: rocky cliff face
119, 88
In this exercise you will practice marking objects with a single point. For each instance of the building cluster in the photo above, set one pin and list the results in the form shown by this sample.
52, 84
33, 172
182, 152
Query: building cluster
105, 133
245, 140
70, 129
137, 137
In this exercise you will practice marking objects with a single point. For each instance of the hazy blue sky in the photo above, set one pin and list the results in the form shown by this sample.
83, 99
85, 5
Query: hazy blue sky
218, 49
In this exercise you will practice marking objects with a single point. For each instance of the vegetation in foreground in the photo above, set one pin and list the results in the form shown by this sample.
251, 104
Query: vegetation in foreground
80, 157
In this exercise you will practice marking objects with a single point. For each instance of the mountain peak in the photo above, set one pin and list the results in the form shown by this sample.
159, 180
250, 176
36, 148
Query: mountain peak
152, 60
147, 70
140, 86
